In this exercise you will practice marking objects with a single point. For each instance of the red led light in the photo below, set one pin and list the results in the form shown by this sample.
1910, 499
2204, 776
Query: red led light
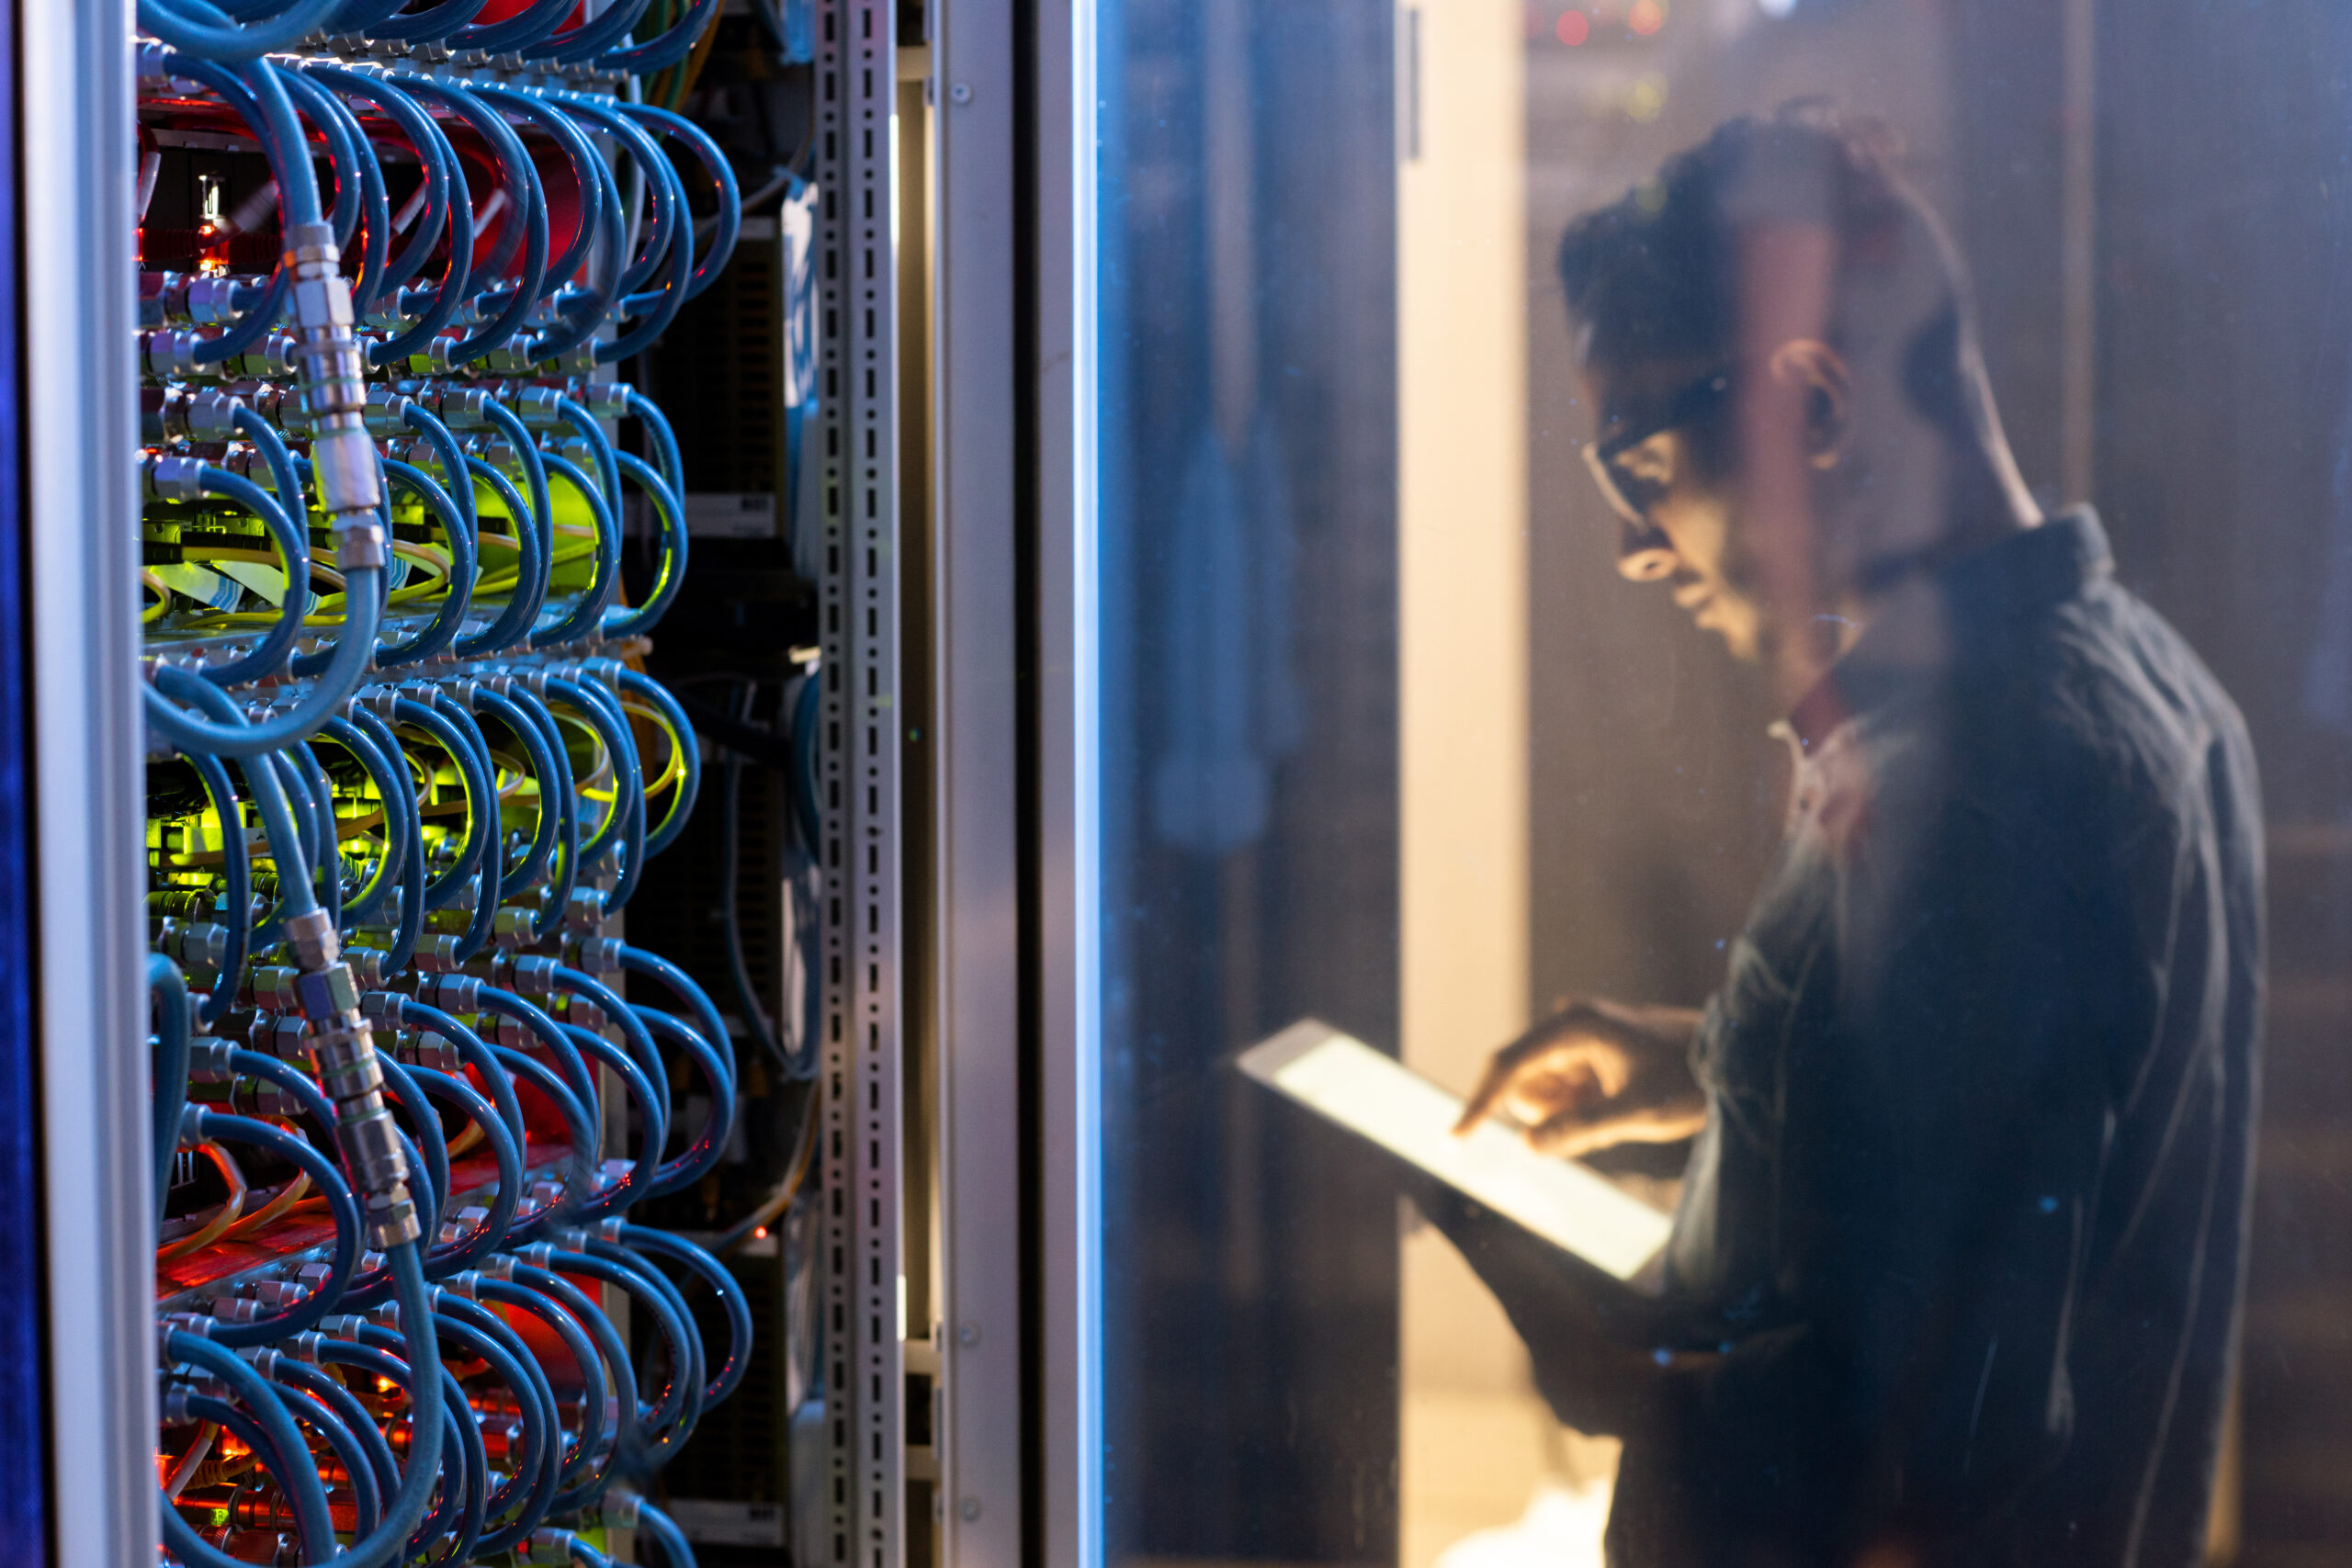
1573, 28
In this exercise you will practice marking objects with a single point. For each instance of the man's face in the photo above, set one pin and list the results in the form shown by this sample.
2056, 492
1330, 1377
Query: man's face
1684, 530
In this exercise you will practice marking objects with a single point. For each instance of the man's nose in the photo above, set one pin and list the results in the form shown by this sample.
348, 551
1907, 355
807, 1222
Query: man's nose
1643, 552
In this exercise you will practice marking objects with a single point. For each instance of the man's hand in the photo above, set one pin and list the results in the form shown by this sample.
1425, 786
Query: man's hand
1596, 1074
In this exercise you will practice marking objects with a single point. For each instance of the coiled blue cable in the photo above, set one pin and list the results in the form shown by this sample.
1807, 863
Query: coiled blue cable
205, 30
442, 630
297, 1479
664, 1532
481, 798
577, 1345
582, 620
710, 1140
673, 571
363, 907
674, 45
580, 1130
367, 1503
723, 1284
532, 571
523, 198
268, 656
552, 773
631, 1187
237, 893
169, 994
682, 804
355, 650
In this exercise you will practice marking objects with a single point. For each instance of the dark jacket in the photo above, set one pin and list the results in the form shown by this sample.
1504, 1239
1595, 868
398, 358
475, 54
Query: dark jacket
1961, 1245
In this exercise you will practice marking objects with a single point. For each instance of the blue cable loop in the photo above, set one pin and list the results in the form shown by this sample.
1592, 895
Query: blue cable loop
646, 616
483, 922
576, 1345
580, 1130
530, 1484
298, 1480
169, 994
549, 775
415, 1015
557, 900
618, 1196
652, 1521
591, 697
531, 570
529, 26
358, 179
355, 650
587, 613
665, 215
476, 1470
238, 894
723, 178
662, 1430
577, 1079
482, 794
205, 30
709, 1024
381, 1465
367, 1503
591, 430
597, 35
433, 157
269, 655
261, 775
375, 1364
612, 728
522, 198
672, 46
710, 1141
535, 475
654, 308
665, 440
410, 826
610, 1348
326, 843
260, 315
443, 628
429, 1158
272, 1455
723, 1284
682, 805
432, 23
362, 907
341, 1203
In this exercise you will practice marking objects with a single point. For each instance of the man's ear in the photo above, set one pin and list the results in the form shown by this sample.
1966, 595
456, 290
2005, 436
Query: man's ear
1809, 365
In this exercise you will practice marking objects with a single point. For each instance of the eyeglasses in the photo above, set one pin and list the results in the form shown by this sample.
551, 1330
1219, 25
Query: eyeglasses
1632, 495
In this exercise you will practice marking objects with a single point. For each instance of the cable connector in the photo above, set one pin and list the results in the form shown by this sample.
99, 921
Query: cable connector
334, 392
171, 479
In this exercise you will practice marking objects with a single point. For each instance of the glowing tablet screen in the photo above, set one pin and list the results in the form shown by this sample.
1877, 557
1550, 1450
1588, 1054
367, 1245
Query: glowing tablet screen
1566, 1204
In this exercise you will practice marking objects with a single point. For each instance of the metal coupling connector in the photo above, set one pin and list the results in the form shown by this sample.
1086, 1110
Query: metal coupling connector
171, 479
392, 1217
312, 937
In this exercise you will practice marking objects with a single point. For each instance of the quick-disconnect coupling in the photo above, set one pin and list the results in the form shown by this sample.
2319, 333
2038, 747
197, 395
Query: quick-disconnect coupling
335, 394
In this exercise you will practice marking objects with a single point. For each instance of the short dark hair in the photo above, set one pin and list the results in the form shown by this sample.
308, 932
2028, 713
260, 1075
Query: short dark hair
1652, 276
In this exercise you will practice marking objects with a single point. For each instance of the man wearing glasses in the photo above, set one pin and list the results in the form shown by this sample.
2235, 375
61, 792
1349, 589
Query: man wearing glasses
1956, 1271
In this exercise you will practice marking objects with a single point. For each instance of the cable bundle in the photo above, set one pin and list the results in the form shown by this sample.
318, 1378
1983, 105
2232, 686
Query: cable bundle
407, 773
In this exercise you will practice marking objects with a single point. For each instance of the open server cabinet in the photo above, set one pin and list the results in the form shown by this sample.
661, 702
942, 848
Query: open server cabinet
925, 1441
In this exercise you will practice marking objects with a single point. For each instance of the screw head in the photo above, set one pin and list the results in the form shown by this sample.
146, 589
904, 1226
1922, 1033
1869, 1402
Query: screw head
968, 1335
961, 92
969, 1509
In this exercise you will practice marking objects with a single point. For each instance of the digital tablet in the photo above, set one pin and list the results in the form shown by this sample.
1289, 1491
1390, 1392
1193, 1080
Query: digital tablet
1569, 1204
